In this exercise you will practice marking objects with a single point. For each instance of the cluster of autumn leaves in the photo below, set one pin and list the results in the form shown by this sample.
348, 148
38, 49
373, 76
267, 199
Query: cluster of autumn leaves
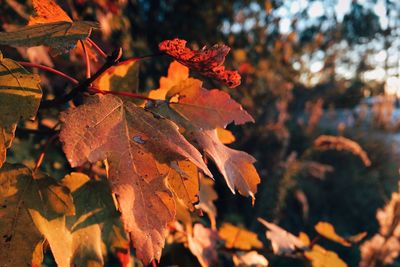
155, 154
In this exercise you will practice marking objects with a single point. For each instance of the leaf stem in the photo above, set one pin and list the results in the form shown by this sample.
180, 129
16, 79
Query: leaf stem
87, 60
153, 263
140, 58
84, 85
49, 69
43, 153
97, 48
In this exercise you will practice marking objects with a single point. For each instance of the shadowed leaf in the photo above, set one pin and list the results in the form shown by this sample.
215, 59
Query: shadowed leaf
20, 96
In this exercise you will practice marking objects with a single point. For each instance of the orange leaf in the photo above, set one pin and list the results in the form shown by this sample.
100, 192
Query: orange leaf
207, 109
207, 61
225, 136
176, 74
124, 135
47, 11
183, 180
328, 231
236, 166
320, 257
236, 237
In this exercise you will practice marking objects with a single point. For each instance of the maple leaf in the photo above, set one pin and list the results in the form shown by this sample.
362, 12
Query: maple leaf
207, 109
33, 205
240, 238
176, 74
207, 61
123, 77
61, 35
107, 128
94, 207
19, 99
236, 166
203, 245
50, 26
183, 180
155, 135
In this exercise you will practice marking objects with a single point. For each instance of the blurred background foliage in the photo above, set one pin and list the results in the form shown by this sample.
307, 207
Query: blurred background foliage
308, 68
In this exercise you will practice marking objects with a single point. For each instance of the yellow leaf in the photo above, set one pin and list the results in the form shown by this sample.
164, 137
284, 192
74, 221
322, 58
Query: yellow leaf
225, 136
176, 74
304, 238
207, 196
183, 180
123, 77
19, 99
240, 238
328, 231
320, 257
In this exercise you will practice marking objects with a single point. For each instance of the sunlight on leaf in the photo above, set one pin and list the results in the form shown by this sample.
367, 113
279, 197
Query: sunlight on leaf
240, 238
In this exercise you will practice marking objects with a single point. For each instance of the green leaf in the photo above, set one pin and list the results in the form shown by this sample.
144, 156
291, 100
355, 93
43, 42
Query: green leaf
20, 96
61, 35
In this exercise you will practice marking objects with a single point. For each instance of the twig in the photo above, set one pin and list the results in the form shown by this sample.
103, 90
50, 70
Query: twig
49, 69
97, 48
82, 86
127, 94
43, 153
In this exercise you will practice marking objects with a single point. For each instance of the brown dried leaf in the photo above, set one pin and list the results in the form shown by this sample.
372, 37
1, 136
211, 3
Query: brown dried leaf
207, 61
328, 142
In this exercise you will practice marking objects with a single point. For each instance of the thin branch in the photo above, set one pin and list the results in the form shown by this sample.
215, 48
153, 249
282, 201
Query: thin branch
87, 60
139, 58
84, 85
43, 153
49, 69
127, 94
97, 48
